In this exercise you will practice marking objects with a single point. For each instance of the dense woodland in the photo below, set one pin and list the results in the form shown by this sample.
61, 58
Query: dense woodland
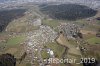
7, 60
67, 11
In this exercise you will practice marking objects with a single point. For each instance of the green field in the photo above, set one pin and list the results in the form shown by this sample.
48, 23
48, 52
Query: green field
28, 64
95, 40
58, 49
51, 23
44, 54
15, 41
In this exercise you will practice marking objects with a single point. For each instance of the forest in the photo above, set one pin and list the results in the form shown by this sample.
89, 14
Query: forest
67, 11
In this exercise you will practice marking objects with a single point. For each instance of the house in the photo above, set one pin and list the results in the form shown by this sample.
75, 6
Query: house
50, 52
37, 22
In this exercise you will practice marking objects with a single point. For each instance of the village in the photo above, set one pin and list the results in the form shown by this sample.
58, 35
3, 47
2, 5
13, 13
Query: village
45, 34
37, 40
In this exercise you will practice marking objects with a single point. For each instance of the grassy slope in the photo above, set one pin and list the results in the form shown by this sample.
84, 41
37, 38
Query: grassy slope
15, 41
44, 54
51, 23
94, 40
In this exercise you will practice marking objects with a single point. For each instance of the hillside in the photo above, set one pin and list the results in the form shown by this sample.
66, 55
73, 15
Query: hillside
6, 16
67, 11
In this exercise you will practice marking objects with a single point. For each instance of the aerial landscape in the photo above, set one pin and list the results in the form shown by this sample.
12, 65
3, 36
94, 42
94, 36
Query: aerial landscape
49, 33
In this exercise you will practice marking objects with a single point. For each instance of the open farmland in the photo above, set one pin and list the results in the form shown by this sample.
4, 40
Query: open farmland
37, 32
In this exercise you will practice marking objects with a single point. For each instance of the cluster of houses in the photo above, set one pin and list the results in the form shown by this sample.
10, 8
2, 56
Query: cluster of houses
36, 40
69, 30
42, 35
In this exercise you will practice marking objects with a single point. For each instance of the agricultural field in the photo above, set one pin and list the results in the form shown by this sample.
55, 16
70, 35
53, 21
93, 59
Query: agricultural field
58, 49
95, 40
51, 22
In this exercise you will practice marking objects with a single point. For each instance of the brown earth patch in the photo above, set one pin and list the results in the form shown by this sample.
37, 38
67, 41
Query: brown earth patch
11, 50
87, 32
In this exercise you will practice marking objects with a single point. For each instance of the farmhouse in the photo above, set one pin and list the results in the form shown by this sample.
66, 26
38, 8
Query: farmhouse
37, 22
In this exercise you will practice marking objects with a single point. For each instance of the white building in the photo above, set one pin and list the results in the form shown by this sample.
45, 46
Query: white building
37, 22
